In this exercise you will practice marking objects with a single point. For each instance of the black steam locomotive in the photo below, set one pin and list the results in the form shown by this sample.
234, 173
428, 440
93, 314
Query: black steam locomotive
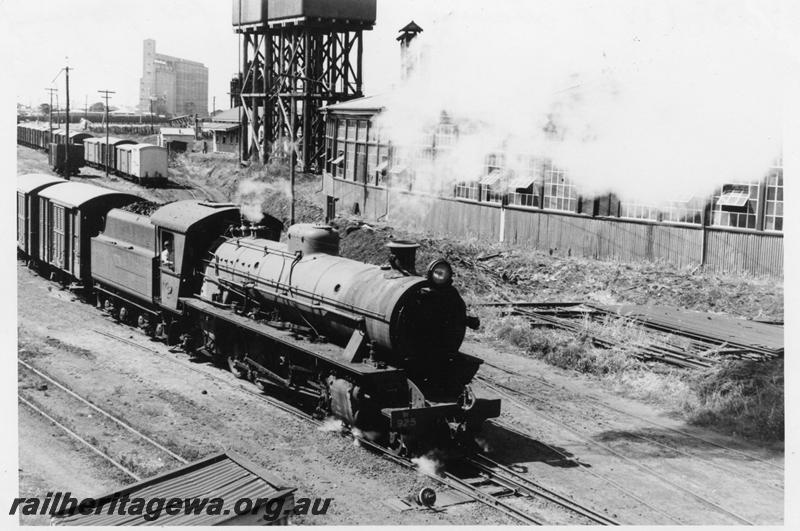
377, 347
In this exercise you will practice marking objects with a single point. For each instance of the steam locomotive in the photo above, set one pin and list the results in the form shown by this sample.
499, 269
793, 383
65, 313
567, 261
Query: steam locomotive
375, 346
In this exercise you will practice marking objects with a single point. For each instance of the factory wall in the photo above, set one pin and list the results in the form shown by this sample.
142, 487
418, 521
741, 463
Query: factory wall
728, 250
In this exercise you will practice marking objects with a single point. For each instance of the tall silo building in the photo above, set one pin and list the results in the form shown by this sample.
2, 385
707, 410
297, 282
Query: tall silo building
171, 85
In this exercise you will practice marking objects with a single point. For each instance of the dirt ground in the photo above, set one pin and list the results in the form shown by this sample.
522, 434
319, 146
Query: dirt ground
633, 461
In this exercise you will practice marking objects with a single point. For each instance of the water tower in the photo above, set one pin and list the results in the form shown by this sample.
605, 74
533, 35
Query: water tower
297, 56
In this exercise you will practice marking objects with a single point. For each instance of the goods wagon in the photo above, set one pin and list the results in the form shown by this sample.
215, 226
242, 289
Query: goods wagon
254, 12
69, 215
75, 137
35, 136
57, 158
98, 153
28, 188
143, 163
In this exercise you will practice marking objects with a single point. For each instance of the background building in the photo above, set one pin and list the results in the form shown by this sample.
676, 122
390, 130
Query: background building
172, 85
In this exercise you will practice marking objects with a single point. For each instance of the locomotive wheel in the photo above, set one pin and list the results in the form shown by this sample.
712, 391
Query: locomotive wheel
235, 369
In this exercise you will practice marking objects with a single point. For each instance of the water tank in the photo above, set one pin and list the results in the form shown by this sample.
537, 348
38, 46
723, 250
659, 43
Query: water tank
313, 238
358, 12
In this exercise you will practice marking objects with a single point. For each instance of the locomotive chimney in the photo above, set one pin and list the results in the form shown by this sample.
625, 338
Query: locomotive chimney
403, 256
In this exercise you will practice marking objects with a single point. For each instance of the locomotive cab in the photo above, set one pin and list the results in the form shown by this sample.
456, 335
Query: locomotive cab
183, 230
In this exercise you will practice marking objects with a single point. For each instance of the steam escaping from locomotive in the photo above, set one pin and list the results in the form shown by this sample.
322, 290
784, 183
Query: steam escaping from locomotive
652, 101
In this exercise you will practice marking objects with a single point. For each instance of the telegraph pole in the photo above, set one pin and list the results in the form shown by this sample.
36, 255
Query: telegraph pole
152, 128
66, 136
51, 91
106, 96
292, 163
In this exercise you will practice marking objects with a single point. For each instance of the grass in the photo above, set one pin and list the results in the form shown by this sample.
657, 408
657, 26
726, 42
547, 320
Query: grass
740, 398
744, 398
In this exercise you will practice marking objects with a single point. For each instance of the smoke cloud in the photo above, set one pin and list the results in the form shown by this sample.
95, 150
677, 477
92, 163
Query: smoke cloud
654, 101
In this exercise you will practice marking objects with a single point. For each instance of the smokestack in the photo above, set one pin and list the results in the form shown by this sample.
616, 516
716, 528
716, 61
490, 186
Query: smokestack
407, 34
403, 256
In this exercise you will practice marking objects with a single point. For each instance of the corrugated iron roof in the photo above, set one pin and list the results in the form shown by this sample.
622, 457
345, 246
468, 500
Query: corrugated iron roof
218, 126
177, 131
228, 115
181, 215
229, 477
72, 195
373, 104
31, 181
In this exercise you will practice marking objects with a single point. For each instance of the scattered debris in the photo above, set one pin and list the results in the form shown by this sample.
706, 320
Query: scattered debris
707, 338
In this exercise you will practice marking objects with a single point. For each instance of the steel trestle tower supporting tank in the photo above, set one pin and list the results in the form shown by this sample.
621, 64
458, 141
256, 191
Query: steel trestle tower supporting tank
297, 56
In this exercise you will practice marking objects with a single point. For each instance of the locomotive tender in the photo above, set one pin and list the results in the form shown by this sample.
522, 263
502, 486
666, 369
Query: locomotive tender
374, 346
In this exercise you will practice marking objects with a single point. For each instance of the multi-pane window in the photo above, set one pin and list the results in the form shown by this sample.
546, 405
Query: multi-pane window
337, 165
735, 205
350, 161
559, 192
689, 211
466, 190
773, 202
446, 136
330, 143
638, 211
495, 162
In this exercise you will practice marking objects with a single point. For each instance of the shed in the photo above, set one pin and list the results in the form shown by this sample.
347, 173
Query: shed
176, 138
224, 136
226, 477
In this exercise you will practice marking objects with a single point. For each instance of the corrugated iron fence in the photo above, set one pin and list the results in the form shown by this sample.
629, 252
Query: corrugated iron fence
717, 249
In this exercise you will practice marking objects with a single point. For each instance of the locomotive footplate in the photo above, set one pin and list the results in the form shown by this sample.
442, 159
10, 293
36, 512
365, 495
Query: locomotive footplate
330, 353
411, 419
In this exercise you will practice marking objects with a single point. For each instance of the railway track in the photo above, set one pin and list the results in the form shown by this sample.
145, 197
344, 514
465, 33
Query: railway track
512, 485
746, 455
518, 398
99, 428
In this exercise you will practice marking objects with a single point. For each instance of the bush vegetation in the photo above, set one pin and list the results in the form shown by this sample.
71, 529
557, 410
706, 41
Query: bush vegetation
742, 398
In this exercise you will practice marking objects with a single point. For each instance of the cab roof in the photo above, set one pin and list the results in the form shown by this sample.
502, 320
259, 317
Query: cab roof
180, 216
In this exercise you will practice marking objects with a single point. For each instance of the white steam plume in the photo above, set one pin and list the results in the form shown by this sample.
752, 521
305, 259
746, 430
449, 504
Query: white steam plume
653, 101
427, 465
250, 194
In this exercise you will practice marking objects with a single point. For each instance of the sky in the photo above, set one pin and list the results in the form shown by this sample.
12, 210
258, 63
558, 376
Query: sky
685, 92
101, 41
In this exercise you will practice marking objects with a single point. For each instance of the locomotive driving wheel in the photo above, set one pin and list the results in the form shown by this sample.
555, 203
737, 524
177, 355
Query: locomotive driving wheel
236, 369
